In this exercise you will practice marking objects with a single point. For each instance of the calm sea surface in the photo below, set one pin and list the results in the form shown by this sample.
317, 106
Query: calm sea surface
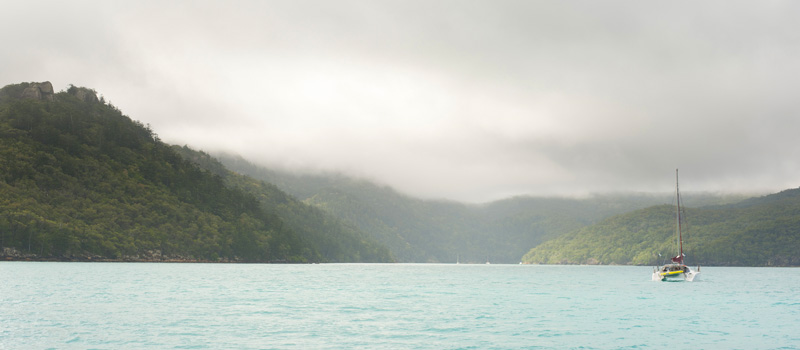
392, 306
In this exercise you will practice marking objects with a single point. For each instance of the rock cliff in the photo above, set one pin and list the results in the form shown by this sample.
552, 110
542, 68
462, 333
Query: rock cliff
83, 94
39, 91
44, 91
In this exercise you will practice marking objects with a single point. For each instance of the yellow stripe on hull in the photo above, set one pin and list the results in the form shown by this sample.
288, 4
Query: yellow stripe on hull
671, 273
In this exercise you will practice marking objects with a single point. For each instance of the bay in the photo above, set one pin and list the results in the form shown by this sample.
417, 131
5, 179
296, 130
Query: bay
392, 306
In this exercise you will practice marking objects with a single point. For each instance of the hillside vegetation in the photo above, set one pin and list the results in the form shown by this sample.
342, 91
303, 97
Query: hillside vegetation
417, 230
762, 231
602, 229
336, 240
79, 180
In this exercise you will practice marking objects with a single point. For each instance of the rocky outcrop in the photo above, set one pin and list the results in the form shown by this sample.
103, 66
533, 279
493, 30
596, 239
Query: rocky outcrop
36, 91
83, 94
44, 91
39, 91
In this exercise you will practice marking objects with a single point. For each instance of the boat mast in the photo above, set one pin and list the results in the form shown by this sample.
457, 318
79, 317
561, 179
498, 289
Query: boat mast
678, 215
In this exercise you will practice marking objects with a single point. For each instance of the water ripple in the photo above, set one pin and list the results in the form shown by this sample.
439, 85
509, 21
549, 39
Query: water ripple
355, 306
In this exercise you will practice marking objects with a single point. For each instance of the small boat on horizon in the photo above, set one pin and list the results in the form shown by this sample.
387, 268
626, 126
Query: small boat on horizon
676, 270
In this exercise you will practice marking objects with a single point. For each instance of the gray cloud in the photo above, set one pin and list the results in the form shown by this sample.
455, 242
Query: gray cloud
463, 100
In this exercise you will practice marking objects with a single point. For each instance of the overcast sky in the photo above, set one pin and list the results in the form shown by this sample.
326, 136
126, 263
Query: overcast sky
463, 100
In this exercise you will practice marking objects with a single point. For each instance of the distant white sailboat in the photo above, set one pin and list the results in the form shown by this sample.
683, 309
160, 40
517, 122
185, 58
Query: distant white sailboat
676, 270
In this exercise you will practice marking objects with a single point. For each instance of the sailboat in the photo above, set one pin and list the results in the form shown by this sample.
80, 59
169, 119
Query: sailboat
676, 269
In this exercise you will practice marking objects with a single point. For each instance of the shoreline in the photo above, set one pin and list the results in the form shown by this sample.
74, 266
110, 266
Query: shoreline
140, 260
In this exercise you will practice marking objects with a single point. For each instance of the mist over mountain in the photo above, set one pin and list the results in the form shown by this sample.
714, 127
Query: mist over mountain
418, 230
335, 240
83, 181
470, 102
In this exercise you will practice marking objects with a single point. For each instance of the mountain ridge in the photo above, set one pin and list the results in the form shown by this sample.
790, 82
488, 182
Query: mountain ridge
762, 231
81, 180
420, 230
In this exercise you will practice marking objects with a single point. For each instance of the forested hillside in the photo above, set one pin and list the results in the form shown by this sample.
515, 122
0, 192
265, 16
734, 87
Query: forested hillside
418, 230
336, 241
762, 231
81, 181
414, 230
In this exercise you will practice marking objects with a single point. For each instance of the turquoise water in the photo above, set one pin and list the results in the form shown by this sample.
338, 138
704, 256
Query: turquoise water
392, 306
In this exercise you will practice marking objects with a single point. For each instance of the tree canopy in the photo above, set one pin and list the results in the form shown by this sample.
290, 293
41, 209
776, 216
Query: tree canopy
80, 180
762, 231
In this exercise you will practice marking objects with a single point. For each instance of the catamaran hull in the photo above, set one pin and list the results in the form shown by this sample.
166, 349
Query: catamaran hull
679, 276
